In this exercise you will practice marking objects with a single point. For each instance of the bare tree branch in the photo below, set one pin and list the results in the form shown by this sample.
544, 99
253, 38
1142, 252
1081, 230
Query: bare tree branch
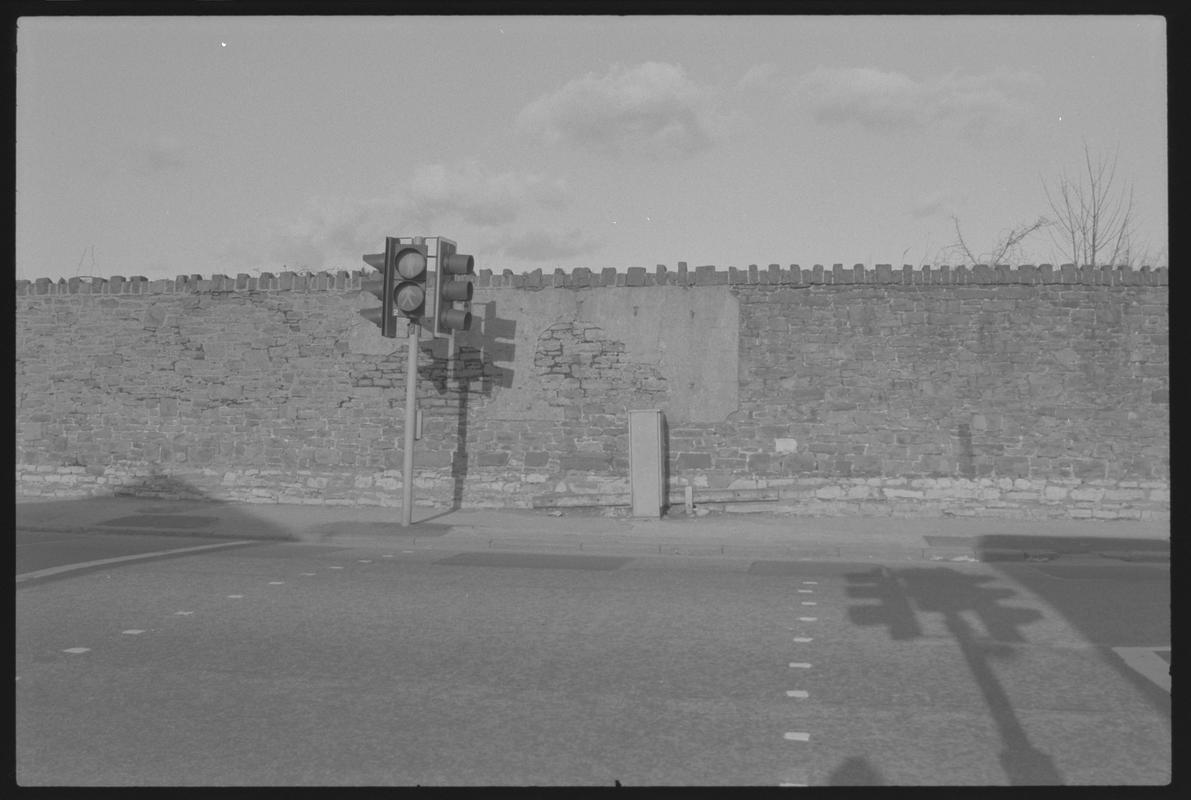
1096, 221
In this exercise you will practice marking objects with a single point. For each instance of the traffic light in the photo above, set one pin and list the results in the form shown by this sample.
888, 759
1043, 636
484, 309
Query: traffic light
409, 267
401, 286
452, 307
382, 287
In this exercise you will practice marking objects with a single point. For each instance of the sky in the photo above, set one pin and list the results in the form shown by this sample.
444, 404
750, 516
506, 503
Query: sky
165, 146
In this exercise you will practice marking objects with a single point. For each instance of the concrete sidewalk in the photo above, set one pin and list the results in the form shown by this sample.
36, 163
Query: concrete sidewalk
738, 535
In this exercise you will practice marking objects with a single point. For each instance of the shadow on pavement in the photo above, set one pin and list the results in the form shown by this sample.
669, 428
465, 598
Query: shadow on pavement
952, 594
161, 505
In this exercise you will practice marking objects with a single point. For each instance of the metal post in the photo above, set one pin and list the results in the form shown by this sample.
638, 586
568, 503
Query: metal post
411, 421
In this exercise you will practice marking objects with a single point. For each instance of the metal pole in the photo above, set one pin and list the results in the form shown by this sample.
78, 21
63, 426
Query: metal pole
411, 421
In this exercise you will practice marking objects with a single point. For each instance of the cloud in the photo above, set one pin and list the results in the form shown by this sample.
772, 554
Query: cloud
465, 198
548, 246
332, 229
163, 154
886, 101
652, 109
940, 203
478, 196
758, 76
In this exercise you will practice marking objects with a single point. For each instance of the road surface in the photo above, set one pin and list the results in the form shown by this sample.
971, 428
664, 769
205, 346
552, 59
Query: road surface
293, 664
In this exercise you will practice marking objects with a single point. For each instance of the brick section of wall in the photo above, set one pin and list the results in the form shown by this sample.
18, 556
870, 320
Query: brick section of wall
1023, 391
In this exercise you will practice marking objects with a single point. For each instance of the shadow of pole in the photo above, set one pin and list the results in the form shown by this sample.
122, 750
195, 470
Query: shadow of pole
949, 593
469, 357
1023, 763
459, 458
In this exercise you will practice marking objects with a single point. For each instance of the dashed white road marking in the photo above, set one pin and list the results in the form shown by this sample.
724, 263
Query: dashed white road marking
806, 591
811, 583
335, 566
390, 555
365, 560
803, 639
809, 603
235, 596
808, 619
799, 665
306, 574
276, 583
798, 736
800, 693
133, 632
183, 613
77, 650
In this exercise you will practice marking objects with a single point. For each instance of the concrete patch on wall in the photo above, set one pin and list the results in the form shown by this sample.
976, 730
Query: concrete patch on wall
688, 337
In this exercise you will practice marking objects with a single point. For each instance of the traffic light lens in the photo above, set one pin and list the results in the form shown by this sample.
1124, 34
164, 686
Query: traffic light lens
409, 297
411, 264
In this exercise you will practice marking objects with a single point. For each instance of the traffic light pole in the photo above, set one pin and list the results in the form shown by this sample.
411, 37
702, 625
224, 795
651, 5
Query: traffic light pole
411, 422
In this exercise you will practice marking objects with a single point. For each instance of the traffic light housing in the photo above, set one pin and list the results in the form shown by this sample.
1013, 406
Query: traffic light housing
452, 307
408, 265
382, 287
401, 285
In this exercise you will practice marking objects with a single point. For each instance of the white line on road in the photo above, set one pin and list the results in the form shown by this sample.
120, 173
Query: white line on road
333, 566
803, 639
797, 693
365, 560
1147, 662
306, 574
809, 603
42, 573
235, 596
808, 619
811, 583
798, 736
183, 613
276, 583
77, 650
133, 632
806, 591
799, 665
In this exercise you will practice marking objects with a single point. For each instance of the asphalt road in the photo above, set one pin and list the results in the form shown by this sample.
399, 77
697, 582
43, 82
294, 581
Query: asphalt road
299, 664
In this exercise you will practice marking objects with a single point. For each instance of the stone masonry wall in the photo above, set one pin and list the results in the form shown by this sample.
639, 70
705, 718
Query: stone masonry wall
1025, 392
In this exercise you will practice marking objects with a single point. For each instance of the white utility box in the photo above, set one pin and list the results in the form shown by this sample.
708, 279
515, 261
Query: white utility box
646, 467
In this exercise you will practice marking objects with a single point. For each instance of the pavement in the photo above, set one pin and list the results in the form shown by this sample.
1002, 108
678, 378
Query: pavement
754, 535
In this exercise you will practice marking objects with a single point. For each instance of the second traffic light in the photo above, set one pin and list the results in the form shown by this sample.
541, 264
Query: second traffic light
453, 290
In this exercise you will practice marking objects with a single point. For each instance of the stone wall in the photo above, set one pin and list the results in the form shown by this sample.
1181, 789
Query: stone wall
1027, 392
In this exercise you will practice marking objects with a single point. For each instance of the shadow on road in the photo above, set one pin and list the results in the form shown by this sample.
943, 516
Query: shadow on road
1066, 589
855, 771
903, 593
